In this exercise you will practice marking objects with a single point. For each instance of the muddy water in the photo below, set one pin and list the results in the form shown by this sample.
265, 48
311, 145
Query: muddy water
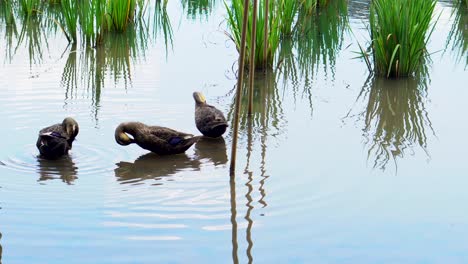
334, 167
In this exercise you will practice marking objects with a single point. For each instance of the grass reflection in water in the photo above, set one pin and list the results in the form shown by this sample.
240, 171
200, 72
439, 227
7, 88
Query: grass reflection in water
396, 120
457, 40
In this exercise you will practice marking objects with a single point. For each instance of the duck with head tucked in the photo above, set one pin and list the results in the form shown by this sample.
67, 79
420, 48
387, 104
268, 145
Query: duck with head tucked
209, 120
56, 140
160, 140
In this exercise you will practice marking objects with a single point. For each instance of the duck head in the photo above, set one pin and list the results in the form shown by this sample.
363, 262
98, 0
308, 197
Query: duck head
199, 98
122, 135
70, 126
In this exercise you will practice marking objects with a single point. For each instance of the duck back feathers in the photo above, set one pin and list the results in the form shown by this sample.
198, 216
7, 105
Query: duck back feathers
56, 140
209, 120
157, 139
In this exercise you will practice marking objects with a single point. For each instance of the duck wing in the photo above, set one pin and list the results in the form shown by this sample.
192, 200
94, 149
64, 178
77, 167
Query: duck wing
52, 142
162, 140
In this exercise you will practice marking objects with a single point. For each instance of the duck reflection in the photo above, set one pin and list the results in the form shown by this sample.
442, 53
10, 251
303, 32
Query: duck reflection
212, 149
63, 168
153, 166
396, 119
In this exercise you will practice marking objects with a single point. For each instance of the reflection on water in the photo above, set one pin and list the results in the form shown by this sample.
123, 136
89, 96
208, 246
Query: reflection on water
267, 112
162, 24
395, 118
1, 249
358, 9
63, 168
33, 37
85, 70
317, 41
458, 36
198, 8
213, 149
153, 166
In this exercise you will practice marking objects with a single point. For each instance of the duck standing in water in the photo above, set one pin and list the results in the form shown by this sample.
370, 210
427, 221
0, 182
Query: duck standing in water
56, 140
209, 120
160, 140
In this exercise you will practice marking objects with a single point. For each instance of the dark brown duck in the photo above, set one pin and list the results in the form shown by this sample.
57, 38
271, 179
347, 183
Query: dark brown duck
56, 140
160, 140
209, 120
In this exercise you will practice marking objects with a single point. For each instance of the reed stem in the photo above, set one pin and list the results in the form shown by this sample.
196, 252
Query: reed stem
252, 55
232, 168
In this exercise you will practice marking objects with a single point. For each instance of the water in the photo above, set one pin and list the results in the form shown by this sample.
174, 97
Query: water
339, 167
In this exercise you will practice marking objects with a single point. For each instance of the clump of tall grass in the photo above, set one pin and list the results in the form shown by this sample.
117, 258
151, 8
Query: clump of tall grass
28, 7
92, 20
235, 15
122, 13
7, 10
399, 31
309, 6
70, 18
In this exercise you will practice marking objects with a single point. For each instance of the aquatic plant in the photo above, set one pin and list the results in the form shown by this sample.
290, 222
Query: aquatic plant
264, 55
6, 7
28, 7
70, 18
399, 32
288, 11
310, 6
94, 21
122, 13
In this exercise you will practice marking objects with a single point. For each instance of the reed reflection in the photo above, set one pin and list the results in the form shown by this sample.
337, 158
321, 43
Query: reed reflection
63, 168
457, 40
161, 24
212, 149
267, 111
316, 42
396, 120
198, 8
151, 166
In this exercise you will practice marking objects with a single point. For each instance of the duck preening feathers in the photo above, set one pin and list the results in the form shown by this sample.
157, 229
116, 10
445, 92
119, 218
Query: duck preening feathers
209, 120
56, 140
160, 140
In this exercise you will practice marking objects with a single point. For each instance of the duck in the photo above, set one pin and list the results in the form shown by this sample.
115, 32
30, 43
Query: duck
157, 139
209, 120
56, 140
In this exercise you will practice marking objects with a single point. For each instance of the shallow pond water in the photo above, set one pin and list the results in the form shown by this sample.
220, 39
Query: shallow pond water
335, 166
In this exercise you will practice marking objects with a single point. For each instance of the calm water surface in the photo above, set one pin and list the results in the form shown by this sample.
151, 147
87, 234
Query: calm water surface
335, 166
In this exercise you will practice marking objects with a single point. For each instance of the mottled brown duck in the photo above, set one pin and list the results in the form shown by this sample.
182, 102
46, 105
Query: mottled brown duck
209, 120
160, 140
56, 140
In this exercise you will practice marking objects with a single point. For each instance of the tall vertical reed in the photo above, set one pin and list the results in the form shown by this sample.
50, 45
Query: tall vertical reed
400, 30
